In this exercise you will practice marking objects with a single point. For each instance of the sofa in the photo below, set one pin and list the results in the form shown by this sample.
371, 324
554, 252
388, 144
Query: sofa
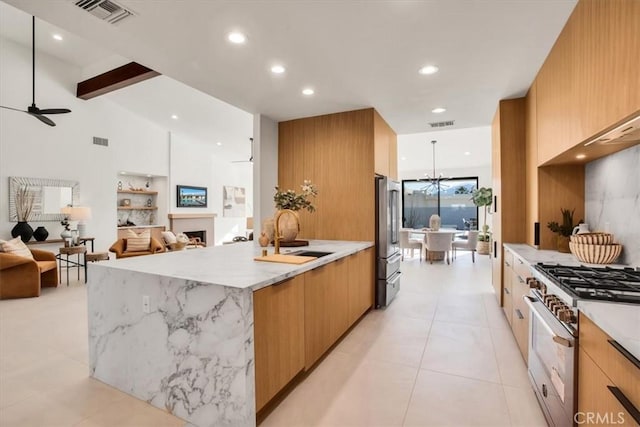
120, 249
22, 277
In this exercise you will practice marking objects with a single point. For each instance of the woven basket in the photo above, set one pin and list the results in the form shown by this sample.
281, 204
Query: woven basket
593, 238
596, 254
178, 246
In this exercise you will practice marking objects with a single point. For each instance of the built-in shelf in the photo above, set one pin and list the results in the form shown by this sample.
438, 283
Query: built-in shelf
140, 208
150, 193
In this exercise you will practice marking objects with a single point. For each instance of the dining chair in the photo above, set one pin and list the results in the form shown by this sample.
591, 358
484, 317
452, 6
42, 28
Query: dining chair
468, 244
437, 242
406, 242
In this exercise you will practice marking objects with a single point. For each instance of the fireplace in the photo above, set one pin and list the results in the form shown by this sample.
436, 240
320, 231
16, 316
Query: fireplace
201, 234
194, 225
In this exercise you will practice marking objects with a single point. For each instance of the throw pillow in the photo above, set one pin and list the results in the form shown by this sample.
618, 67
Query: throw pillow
15, 247
169, 237
138, 242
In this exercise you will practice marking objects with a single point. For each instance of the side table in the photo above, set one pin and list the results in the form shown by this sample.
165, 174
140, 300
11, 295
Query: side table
73, 250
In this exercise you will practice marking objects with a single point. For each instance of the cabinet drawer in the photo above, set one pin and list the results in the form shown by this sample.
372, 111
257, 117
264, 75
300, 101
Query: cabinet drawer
508, 259
597, 405
621, 371
507, 303
521, 268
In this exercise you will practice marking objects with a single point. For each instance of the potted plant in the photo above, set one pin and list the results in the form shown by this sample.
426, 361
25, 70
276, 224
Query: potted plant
24, 200
563, 231
483, 198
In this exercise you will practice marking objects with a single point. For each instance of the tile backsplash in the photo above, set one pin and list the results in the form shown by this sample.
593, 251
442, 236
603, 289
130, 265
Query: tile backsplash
612, 200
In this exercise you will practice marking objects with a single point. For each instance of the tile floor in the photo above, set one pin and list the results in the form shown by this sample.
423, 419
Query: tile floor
441, 354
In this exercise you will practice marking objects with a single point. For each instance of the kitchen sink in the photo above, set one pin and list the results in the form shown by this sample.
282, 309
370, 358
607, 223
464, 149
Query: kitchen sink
316, 254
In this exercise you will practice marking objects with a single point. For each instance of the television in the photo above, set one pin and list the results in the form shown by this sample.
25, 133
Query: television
189, 196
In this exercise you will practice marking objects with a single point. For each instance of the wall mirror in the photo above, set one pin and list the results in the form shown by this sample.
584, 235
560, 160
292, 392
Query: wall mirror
50, 195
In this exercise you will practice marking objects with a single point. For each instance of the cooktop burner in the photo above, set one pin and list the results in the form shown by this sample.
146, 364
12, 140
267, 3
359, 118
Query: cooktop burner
600, 283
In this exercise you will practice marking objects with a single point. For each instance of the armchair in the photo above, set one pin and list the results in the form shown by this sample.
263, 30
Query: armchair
120, 246
22, 277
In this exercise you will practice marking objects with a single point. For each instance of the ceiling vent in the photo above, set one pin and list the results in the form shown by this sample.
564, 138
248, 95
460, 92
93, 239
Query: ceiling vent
441, 124
107, 10
100, 141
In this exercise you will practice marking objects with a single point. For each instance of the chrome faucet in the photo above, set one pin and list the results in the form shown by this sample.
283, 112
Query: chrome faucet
276, 229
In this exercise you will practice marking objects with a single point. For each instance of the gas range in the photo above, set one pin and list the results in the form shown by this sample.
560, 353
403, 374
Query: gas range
594, 283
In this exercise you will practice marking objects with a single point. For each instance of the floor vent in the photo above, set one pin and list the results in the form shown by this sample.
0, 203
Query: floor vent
100, 141
107, 10
442, 124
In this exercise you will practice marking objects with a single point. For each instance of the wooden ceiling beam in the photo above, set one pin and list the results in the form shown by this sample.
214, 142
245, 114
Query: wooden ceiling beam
115, 79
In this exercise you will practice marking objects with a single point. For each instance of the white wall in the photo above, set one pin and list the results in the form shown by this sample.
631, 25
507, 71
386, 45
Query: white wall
196, 163
32, 149
265, 139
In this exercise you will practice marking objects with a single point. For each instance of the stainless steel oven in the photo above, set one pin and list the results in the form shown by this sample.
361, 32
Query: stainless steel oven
552, 363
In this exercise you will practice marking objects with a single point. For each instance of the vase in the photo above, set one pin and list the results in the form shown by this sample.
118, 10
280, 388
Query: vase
562, 243
263, 240
40, 234
288, 225
22, 229
434, 222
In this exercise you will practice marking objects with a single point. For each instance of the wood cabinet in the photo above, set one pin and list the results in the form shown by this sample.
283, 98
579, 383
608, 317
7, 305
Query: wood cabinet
603, 365
590, 80
338, 153
361, 283
508, 182
278, 316
298, 320
516, 272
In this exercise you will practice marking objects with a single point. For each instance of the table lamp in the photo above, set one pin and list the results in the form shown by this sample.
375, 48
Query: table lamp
80, 214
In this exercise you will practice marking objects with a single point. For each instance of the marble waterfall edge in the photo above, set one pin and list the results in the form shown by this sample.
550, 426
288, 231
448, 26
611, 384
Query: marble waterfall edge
191, 354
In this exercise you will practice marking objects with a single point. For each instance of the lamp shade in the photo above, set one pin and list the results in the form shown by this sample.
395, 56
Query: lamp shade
77, 213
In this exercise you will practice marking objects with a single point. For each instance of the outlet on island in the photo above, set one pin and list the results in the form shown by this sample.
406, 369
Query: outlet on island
145, 304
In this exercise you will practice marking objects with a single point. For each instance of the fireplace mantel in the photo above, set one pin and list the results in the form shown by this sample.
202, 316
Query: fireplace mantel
191, 215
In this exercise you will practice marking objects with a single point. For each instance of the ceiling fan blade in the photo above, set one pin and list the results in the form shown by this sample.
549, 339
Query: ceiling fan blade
55, 111
43, 119
14, 109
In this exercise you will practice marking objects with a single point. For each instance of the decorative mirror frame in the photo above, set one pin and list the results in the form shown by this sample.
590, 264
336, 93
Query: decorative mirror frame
36, 185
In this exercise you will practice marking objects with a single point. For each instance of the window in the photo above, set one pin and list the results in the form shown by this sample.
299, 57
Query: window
450, 199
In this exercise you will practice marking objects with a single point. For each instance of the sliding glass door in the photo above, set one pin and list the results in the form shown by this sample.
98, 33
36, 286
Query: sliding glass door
450, 199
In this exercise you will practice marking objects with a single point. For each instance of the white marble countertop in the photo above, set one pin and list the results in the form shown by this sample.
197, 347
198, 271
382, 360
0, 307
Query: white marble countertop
232, 265
620, 321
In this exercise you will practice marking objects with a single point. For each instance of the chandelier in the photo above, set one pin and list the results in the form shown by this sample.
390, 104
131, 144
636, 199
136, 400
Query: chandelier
433, 185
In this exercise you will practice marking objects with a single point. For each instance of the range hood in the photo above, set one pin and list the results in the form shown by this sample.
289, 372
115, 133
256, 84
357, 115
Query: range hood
628, 132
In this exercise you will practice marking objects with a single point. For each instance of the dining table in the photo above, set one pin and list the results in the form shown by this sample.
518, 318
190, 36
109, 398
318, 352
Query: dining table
437, 255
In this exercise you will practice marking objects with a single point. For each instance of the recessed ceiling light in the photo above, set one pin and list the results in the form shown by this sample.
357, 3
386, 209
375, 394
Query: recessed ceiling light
237, 38
174, 117
581, 156
57, 37
404, 158
428, 69
277, 69
218, 143
308, 91
149, 176
438, 110
467, 153
123, 173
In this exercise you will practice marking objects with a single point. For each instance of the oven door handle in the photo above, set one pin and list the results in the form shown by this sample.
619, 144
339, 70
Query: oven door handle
556, 338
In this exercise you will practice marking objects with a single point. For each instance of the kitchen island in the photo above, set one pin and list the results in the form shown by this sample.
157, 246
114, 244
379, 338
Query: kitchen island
177, 329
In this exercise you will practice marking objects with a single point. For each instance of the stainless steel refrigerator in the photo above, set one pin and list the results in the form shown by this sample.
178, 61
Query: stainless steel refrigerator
387, 240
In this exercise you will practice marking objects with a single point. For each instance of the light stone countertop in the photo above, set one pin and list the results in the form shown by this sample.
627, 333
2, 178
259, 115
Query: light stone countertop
232, 265
620, 321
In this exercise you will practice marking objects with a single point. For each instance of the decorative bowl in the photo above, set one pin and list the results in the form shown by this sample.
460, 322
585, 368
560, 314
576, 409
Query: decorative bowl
592, 238
595, 254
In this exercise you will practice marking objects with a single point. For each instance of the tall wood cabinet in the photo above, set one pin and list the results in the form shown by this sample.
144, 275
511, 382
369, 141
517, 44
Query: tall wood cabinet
508, 182
340, 153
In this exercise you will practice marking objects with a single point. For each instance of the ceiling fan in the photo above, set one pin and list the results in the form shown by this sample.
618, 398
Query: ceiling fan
250, 157
32, 109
